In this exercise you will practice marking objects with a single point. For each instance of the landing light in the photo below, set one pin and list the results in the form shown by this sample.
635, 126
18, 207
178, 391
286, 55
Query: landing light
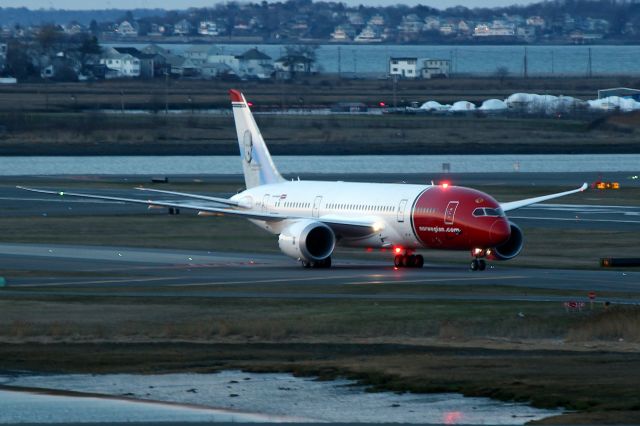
398, 250
477, 251
377, 226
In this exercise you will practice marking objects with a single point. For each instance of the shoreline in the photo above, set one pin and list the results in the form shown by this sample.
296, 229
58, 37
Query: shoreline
375, 366
312, 149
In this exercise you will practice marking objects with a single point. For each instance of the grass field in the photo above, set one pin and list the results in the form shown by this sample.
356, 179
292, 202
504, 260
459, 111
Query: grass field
65, 119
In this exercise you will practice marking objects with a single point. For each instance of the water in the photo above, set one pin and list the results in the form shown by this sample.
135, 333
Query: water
317, 164
372, 60
269, 397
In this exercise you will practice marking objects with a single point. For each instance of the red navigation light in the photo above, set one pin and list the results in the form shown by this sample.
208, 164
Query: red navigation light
445, 185
382, 104
398, 250
250, 104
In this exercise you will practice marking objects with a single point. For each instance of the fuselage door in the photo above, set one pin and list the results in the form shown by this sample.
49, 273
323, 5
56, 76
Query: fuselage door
316, 206
450, 212
401, 207
265, 203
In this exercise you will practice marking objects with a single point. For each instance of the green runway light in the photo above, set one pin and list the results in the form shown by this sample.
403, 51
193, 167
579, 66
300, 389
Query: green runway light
61, 193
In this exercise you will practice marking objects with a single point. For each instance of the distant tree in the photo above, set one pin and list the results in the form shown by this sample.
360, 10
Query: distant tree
93, 28
90, 46
48, 37
18, 64
501, 73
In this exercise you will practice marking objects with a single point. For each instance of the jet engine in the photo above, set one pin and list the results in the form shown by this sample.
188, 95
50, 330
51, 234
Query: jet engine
308, 240
510, 248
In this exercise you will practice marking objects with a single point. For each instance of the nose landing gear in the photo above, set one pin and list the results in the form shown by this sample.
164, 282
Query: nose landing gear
408, 261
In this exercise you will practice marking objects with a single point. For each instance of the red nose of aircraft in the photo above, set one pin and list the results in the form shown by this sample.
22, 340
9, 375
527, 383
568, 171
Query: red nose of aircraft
500, 231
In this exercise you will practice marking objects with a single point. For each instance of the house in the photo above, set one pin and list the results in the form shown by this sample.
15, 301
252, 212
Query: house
182, 67
183, 28
255, 64
410, 27
536, 21
435, 68
403, 67
216, 70
121, 65
368, 35
208, 28
497, 29
147, 60
288, 66
431, 23
463, 27
200, 53
127, 29
447, 29
343, 33
61, 68
377, 20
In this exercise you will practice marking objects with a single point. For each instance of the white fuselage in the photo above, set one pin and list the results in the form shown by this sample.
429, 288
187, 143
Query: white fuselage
389, 205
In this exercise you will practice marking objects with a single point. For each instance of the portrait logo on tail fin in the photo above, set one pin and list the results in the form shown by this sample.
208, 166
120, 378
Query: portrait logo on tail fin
248, 146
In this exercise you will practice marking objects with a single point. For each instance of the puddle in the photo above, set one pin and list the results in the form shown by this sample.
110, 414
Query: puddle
250, 397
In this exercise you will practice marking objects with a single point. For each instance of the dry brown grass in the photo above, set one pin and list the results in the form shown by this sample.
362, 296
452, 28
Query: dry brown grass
617, 323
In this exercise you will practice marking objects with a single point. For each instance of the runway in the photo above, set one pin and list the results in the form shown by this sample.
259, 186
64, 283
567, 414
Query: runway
552, 215
128, 272
56, 269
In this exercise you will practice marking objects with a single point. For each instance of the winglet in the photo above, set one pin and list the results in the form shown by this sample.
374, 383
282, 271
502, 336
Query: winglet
236, 96
512, 205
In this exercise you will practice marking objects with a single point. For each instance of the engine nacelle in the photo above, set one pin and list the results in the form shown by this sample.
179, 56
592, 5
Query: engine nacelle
307, 240
510, 248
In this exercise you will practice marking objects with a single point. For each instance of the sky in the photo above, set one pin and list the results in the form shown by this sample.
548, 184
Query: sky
183, 4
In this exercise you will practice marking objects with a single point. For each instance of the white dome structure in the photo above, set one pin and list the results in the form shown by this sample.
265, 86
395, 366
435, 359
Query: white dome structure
463, 106
613, 103
493, 105
434, 106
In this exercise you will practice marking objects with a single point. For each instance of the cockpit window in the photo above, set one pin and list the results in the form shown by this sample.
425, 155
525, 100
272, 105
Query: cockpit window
487, 211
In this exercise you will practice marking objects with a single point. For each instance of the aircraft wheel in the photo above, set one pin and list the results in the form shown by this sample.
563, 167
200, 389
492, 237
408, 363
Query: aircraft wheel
306, 264
397, 261
419, 261
482, 265
475, 265
407, 261
327, 262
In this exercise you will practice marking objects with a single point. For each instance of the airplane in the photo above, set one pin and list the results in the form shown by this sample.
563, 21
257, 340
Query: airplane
312, 217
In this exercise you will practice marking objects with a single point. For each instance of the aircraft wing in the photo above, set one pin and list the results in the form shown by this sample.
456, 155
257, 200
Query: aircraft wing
362, 225
512, 205
225, 201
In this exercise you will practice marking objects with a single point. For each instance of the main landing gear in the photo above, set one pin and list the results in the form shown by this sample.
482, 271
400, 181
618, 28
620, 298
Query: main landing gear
408, 261
478, 265
324, 263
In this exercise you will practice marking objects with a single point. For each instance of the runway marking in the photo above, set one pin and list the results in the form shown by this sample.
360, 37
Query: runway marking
425, 280
124, 280
573, 219
274, 280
